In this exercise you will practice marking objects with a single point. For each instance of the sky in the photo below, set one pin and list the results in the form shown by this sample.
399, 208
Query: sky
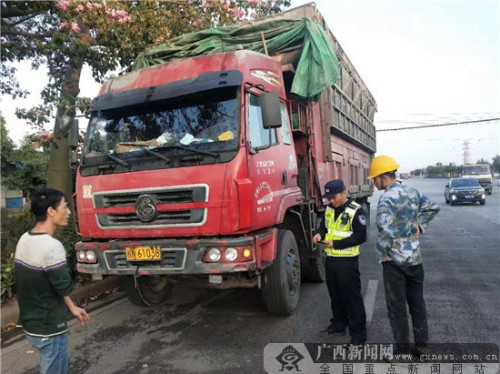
425, 62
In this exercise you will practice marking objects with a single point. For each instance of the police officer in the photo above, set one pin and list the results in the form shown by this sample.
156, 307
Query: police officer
343, 230
403, 213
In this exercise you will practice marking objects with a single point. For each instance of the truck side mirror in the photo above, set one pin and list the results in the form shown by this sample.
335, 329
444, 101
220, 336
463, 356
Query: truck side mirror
73, 135
271, 112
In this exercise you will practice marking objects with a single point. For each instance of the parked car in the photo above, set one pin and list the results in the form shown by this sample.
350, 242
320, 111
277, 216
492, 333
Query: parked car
461, 190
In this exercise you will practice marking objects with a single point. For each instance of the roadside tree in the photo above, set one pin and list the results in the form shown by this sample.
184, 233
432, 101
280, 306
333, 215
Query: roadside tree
106, 35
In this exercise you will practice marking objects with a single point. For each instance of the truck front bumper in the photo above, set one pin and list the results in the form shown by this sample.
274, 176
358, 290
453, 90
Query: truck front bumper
178, 257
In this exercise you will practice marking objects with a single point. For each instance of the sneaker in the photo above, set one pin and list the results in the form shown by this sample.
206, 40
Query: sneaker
330, 331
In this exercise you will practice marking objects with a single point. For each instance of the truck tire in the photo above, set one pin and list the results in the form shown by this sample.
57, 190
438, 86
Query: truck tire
151, 290
316, 270
490, 191
281, 286
482, 202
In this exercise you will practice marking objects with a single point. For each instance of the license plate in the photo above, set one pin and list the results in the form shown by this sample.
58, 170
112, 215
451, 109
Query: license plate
143, 253
215, 279
469, 196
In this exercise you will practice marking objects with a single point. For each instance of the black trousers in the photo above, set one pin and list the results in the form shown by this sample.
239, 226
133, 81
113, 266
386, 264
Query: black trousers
344, 286
405, 285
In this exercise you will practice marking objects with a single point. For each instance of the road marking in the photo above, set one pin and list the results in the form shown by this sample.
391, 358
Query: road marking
371, 293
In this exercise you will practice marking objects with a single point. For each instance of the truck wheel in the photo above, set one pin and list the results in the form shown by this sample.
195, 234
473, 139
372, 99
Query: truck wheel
482, 202
316, 270
281, 288
490, 192
151, 290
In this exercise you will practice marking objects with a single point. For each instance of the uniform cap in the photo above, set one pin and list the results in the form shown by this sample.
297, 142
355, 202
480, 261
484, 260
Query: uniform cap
333, 187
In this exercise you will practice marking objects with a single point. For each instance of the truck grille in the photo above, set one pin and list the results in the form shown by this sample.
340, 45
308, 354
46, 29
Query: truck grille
172, 259
160, 196
165, 218
174, 195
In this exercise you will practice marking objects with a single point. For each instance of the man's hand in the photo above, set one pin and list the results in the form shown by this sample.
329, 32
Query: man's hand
81, 314
78, 312
417, 234
316, 238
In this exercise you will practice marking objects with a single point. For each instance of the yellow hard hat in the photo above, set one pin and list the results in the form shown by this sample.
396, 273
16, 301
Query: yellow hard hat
382, 164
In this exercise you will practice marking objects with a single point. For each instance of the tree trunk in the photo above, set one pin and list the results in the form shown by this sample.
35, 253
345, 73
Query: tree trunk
59, 175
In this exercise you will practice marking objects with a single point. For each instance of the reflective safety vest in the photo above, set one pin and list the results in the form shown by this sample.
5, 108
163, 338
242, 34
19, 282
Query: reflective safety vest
341, 229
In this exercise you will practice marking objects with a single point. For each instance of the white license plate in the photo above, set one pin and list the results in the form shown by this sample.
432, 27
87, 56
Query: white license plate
215, 279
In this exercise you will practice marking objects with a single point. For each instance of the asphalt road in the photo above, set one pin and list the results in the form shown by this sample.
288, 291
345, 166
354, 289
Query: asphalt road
209, 331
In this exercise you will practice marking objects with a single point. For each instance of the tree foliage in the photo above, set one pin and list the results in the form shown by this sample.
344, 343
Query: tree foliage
452, 170
23, 168
7, 147
106, 35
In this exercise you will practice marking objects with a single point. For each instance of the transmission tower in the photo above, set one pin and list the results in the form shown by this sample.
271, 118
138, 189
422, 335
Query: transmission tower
466, 150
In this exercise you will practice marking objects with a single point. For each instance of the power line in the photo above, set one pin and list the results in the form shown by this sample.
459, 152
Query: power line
441, 124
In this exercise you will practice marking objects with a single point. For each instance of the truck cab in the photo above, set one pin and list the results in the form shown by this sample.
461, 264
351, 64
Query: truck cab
209, 170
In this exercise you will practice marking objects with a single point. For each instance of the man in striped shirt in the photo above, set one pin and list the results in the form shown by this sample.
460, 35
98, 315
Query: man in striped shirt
43, 282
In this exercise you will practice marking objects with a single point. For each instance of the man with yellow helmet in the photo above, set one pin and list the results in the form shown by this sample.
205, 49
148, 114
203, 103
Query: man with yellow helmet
403, 213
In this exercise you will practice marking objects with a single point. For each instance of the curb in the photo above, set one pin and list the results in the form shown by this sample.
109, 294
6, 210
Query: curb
10, 310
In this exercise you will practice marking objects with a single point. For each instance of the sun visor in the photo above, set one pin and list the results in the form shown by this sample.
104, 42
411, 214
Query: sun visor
204, 82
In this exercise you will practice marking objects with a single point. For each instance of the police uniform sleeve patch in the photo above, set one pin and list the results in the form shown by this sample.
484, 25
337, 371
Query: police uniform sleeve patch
362, 219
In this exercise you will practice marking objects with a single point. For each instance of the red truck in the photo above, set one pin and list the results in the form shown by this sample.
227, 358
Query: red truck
209, 170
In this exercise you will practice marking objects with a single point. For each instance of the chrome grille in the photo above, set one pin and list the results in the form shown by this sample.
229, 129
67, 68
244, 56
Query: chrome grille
169, 217
161, 196
175, 195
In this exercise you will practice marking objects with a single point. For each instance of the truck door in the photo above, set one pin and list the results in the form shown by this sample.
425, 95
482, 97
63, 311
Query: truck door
272, 163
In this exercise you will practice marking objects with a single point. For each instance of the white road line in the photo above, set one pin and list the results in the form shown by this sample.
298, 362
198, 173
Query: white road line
371, 293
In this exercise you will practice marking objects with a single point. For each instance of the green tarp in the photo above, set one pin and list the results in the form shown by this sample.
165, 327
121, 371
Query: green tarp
317, 68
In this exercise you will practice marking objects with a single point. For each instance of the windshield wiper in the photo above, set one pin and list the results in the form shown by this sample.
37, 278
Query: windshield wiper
161, 157
116, 159
179, 146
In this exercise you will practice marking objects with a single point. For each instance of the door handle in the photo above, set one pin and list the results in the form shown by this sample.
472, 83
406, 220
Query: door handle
284, 178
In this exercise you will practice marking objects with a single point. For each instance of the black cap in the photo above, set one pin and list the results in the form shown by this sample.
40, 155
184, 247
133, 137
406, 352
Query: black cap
333, 187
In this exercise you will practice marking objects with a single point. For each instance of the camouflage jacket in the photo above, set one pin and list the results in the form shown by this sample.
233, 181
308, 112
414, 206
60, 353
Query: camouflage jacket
401, 209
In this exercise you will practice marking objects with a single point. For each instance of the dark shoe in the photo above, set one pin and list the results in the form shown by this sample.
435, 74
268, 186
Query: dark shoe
420, 350
388, 358
330, 331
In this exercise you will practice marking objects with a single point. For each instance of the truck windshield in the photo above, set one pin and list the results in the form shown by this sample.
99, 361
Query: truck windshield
476, 169
205, 123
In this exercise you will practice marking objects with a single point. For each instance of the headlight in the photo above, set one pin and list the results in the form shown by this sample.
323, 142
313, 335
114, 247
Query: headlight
91, 257
214, 254
231, 254
81, 256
